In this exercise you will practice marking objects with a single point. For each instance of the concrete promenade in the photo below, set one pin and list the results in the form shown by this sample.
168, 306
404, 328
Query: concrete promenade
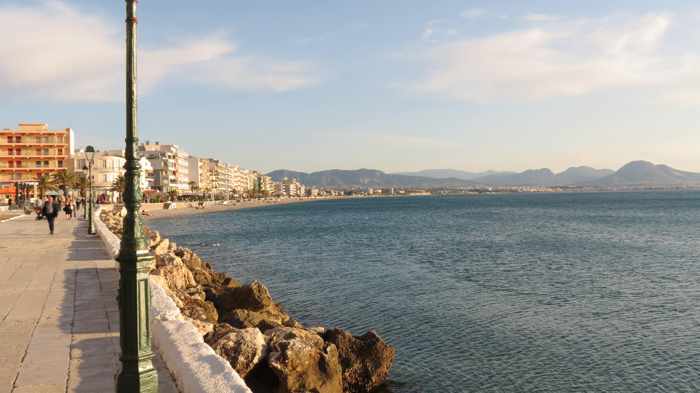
59, 320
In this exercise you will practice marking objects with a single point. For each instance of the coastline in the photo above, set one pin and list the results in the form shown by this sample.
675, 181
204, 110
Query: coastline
241, 328
155, 211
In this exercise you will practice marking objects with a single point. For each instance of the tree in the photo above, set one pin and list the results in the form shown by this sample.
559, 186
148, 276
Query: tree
81, 183
193, 186
45, 183
63, 179
118, 184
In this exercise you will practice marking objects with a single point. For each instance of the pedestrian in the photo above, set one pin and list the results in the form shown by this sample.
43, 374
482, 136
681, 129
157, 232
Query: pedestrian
77, 204
68, 208
50, 211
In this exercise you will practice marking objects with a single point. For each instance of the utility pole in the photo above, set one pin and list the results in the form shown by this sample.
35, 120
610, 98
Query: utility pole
137, 372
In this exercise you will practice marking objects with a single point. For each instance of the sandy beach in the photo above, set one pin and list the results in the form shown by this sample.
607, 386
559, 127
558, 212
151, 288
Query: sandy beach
156, 211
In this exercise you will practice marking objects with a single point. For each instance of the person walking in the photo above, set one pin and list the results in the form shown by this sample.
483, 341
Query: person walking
50, 211
68, 208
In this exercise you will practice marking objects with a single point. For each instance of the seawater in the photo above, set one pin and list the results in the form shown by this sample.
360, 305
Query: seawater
576, 292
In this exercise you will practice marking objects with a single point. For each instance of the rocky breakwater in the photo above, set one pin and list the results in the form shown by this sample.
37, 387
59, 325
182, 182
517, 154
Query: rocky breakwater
272, 351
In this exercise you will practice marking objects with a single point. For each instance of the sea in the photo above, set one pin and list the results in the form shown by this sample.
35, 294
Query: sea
553, 292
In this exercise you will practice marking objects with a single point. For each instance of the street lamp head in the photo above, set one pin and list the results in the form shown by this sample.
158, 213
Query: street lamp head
89, 153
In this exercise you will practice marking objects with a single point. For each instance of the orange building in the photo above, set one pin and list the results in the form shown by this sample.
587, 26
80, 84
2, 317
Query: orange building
31, 151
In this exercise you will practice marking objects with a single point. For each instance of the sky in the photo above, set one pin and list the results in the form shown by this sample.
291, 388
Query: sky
390, 85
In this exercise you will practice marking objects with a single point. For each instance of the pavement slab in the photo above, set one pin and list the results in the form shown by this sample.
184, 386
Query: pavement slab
59, 319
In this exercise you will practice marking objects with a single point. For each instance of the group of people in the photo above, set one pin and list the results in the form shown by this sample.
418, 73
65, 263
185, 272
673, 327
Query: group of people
52, 206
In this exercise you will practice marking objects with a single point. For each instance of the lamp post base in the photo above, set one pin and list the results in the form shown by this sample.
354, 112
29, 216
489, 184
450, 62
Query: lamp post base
133, 378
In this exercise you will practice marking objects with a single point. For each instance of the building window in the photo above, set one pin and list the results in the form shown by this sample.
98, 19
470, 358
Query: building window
60, 152
37, 164
38, 152
18, 139
60, 163
9, 152
18, 164
46, 152
46, 164
9, 139
18, 152
11, 164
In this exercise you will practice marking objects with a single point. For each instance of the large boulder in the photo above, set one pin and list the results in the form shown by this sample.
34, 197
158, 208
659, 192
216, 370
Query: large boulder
254, 296
161, 247
198, 309
302, 362
365, 360
176, 274
263, 319
243, 348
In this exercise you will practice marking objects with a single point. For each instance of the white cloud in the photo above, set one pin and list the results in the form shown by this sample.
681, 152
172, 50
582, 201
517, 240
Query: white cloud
570, 58
437, 30
535, 17
68, 55
473, 13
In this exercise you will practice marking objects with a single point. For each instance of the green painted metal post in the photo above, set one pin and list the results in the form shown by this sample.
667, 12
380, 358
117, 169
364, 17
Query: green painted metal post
137, 373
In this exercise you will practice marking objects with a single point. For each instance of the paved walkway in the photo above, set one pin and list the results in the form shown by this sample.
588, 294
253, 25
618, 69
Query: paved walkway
59, 321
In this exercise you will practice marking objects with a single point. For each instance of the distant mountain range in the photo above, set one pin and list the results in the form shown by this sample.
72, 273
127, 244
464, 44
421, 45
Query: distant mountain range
364, 178
545, 177
644, 173
452, 173
633, 174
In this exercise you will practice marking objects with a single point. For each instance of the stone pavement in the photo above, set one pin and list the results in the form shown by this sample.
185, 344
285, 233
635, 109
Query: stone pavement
59, 320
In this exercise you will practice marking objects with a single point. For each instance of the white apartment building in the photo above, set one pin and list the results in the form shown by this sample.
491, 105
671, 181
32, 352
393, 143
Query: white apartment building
266, 185
170, 166
290, 188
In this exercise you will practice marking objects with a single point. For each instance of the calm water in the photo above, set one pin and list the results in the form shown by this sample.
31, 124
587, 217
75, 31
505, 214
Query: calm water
507, 293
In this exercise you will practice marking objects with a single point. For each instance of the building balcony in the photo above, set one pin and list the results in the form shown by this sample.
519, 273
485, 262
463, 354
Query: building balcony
34, 157
5, 145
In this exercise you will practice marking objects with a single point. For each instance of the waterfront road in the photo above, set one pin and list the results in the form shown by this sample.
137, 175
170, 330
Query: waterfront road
59, 321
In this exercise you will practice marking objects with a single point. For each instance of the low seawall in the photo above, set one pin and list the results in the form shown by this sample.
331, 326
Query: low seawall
193, 363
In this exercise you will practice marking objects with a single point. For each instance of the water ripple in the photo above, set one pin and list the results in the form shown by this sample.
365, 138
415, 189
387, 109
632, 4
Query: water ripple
505, 293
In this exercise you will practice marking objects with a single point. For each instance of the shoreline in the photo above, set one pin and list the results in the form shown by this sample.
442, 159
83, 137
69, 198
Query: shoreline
156, 212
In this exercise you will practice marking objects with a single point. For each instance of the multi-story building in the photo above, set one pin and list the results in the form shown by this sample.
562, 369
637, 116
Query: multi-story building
204, 175
170, 166
217, 177
30, 151
146, 177
290, 188
265, 185
194, 173
243, 180
107, 166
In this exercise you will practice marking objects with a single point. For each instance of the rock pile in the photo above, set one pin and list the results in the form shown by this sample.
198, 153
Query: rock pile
267, 347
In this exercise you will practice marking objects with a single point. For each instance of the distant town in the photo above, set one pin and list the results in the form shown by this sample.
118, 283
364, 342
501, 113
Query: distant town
35, 158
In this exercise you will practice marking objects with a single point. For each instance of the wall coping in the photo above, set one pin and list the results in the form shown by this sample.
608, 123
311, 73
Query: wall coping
193, 363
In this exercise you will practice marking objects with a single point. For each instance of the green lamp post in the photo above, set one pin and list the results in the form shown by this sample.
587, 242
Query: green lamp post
137, 372
89, 159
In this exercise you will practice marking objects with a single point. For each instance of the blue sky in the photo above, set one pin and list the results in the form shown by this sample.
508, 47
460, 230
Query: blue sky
392, 85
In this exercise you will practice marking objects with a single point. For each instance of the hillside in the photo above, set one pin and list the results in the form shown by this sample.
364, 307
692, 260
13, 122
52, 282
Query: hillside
644, 173
545, 177
452, 173
365, 178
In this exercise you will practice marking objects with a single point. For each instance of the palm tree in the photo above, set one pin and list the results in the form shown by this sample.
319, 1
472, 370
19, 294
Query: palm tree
118, 184
81, 182
64, 179
193, 186
45, 183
